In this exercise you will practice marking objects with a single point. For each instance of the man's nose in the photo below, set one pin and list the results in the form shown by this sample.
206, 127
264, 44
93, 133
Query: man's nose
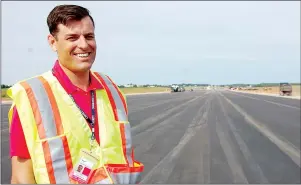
82, 42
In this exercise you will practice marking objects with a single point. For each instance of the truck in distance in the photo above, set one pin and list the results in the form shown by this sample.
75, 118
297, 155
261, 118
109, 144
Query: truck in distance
177, 88
285, 89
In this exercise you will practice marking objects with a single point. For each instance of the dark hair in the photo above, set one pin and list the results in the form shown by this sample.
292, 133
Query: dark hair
63, 13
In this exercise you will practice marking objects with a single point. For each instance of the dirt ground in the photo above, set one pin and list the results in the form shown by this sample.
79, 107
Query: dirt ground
275, 90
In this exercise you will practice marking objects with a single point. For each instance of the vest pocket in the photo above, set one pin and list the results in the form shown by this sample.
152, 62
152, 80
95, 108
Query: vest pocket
124, 174
99, 176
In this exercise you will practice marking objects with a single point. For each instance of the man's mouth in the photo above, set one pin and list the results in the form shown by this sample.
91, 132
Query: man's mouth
83, 55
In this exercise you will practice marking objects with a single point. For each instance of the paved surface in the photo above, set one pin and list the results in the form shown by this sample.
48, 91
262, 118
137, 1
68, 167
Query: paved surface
209, 137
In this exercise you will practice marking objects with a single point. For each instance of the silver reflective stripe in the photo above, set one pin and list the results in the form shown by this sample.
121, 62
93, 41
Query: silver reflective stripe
122, 117
104, 181
119, 105
44, 107
128, 140
56, 147
58, 160
126, 178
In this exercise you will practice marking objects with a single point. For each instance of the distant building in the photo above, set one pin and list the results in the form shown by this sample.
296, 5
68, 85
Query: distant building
129, 85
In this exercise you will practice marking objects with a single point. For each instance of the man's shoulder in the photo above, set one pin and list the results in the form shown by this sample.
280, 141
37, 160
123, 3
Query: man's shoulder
104, 76
23, 83
99, 73
107, 78
32, 77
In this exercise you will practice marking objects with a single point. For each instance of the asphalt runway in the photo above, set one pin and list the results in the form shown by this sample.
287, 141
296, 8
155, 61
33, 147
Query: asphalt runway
215, 136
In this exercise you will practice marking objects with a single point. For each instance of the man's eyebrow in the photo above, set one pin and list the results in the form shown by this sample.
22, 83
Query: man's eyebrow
89, 34
70, 35
73, 34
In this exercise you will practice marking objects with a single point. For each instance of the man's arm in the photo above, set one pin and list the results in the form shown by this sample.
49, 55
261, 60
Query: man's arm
22, 169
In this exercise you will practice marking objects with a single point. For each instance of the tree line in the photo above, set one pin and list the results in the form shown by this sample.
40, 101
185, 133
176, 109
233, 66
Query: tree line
3, 86
260, 85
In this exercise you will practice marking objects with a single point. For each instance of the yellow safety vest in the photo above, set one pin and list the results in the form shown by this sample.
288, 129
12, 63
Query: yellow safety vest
55, 131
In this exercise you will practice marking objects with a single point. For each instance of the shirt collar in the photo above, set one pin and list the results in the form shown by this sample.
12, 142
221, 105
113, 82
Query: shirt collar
64, 80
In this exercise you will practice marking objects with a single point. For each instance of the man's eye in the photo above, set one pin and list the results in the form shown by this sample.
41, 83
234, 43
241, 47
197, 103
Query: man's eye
90, 37
71, 38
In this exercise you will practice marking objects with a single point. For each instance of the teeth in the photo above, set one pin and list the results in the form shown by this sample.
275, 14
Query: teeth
82, 55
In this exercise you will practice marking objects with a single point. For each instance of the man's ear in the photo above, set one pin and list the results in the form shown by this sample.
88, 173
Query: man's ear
52, 42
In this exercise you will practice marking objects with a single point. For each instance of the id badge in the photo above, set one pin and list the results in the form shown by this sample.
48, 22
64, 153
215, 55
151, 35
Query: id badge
83, 168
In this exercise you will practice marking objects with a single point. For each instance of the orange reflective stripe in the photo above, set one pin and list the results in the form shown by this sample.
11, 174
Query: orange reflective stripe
57, 117
48, 162
67, 155
109, 95
98, 175
123, 168
73, 181
122, 98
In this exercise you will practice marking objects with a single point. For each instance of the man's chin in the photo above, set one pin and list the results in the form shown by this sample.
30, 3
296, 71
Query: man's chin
87, 62
82, 67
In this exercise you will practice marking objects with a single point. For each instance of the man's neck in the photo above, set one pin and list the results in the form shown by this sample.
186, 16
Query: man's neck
80, 80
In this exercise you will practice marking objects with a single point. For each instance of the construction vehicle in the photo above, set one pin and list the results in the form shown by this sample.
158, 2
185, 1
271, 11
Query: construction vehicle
286, 89
177, 88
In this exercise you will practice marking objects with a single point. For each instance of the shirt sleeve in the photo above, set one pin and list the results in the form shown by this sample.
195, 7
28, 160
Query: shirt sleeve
18, 145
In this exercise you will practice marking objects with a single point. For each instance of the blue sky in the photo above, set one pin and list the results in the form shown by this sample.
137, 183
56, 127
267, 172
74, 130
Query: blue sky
165, 42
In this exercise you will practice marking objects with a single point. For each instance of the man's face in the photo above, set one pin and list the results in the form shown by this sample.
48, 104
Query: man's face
75, 45
80, 167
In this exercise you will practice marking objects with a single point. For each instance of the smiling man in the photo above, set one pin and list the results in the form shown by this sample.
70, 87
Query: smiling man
71, 116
